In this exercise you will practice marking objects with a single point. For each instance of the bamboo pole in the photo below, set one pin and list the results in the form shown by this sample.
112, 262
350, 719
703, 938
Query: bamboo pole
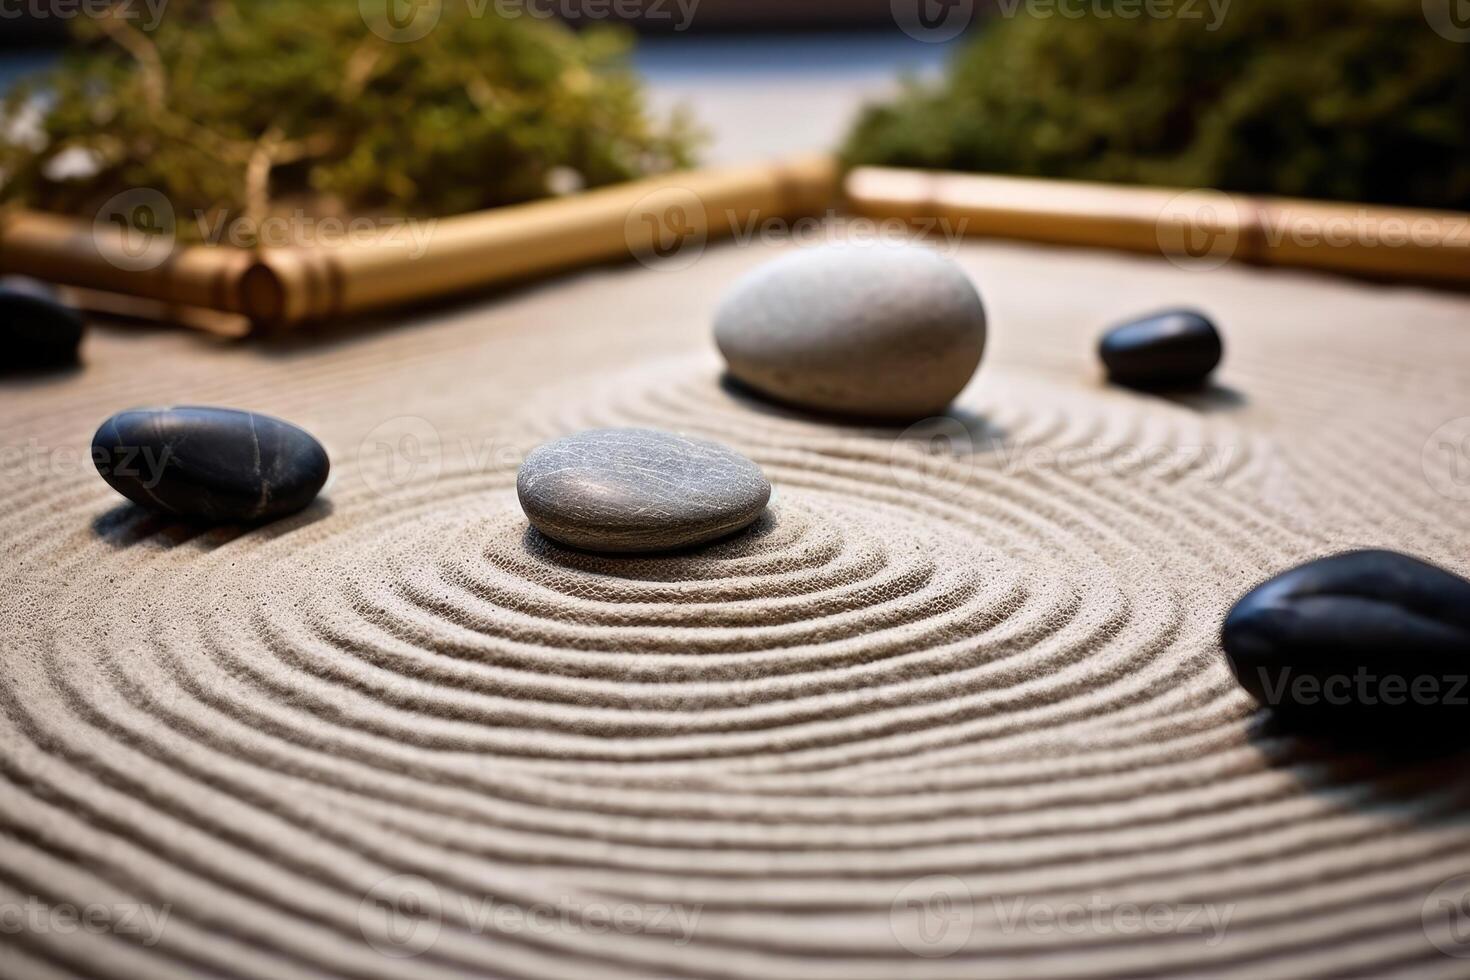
280, 288
71, 252
1195, 228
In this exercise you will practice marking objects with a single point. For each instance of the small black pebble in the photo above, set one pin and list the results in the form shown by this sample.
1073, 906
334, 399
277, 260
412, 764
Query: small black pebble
37, 331
1176, 348
1361, 636
210, 464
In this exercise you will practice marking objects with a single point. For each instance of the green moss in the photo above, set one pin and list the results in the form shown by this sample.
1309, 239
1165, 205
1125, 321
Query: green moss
1347, 99
253, 105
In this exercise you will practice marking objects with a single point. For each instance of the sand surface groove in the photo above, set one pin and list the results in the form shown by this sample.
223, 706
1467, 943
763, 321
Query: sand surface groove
966, 670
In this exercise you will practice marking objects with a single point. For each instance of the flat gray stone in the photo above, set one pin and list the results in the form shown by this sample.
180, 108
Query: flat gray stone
628, 490
892, 332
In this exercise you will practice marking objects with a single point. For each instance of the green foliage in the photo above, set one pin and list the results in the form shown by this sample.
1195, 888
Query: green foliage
1347, 99
246, 106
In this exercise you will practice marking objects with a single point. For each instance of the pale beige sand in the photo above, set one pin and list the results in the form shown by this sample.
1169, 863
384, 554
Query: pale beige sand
997, 667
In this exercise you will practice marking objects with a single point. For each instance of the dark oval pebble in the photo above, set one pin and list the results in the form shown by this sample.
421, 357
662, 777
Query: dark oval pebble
37, 331
1366, 634
1176, 348
210, 464
630, 490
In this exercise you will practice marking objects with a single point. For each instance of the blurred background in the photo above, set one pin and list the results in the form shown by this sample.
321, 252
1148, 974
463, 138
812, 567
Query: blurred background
763, 77
1357, 100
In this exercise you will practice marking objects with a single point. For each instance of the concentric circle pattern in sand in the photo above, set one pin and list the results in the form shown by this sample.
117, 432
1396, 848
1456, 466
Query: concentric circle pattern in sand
950, 706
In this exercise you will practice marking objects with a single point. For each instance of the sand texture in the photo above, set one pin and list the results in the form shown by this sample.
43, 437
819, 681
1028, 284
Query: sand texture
956, 673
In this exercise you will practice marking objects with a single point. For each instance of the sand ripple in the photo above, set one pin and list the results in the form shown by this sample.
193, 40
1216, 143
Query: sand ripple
972, 659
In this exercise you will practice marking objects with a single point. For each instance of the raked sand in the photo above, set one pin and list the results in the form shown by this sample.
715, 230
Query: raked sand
953, 708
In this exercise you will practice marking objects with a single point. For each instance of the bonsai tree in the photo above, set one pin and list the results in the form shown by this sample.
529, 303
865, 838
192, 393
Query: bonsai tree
1350, 99
249, 106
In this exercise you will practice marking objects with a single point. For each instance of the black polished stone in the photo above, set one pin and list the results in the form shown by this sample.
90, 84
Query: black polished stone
1172, 349
1360, 636
37, 331
210, 464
